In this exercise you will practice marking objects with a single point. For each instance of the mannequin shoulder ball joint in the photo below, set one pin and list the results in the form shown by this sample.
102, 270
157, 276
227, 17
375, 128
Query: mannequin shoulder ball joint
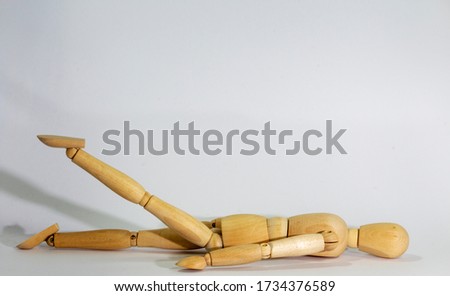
230, 240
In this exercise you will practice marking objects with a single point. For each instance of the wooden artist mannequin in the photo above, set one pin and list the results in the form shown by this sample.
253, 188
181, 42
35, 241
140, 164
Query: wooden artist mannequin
230, 240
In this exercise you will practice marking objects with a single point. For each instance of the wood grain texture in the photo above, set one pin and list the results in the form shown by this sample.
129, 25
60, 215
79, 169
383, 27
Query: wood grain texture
165, 238
61, 141
352, 241
387, 240
331, 225
299, 245
38, 238
114, 179
236, 255
105, 239
182, 223
215, 242
277, 227
194, 262
243, 229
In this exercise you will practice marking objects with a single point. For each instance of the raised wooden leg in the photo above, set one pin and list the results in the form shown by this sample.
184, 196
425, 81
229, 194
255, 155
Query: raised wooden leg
181, 222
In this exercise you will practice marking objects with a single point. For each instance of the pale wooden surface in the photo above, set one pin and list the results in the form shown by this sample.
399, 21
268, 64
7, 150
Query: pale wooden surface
388, 240
184, 224
299, 245
164, 238
277, 227
352, 241
332, 225
236, 255
215, 242
195, 262
242, 254
114, 179
38, 238
244, 229
61, 141
105, 239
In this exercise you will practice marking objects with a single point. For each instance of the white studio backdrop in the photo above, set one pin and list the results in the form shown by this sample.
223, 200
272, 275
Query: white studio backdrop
380, 70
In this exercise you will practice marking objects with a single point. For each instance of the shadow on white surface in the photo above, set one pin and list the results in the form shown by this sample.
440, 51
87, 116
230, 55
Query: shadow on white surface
12, 235
29, 192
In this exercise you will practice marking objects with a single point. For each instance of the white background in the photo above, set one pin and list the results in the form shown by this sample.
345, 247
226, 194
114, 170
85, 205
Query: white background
379, 69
